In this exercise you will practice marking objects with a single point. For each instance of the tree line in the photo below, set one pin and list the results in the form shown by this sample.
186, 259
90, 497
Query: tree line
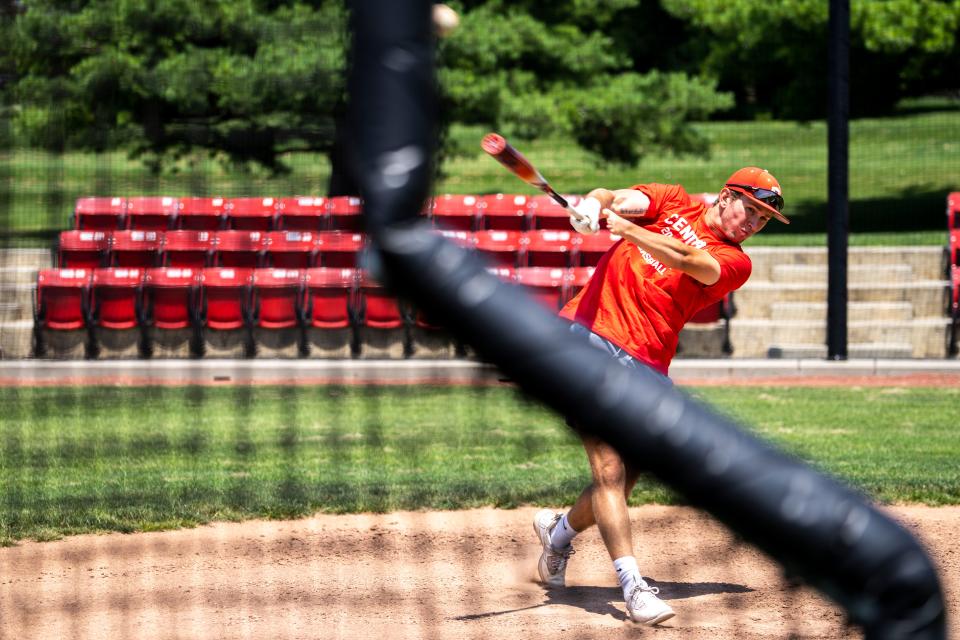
251, 80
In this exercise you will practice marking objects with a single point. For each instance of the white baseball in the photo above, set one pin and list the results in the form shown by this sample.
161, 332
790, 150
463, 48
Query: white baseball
445, 20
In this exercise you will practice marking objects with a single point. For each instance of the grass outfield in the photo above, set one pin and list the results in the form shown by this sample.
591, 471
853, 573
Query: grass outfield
84, 459
901, 169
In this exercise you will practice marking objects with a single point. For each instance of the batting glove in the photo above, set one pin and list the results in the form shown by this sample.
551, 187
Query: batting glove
589, 221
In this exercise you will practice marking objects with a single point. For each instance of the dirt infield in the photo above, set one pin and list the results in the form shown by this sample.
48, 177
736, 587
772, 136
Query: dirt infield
465, 574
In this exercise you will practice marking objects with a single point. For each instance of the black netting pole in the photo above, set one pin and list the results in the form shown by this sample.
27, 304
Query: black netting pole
838, 209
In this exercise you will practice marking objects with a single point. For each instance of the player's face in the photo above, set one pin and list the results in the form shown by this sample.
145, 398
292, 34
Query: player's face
742, 217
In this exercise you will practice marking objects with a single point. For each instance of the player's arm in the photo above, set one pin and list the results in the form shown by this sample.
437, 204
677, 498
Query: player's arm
696, 263
629, 203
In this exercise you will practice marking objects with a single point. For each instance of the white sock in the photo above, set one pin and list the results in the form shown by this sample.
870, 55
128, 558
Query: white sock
627, 573
562, 534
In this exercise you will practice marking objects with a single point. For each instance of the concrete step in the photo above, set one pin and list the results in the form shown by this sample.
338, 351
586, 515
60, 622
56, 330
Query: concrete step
15, 311
32, 258
928, 297
864, 350
927, 262
856, 311
16, 339
22, 274
927, 337
865, 274
16, 294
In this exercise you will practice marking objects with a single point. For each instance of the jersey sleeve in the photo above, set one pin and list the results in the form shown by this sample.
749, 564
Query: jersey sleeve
735, 269
662, 196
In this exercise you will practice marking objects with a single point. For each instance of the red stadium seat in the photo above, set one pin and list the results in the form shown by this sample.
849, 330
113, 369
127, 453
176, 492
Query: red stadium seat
345, 214
225, 297
590, 248
170, 296
302, 214
157, 213
116, 295
242, 249
378, 309
954, 246
503, 248
105, 214
277, 298
507, 274
547, 214
549, 247
252, 214
503, 211
455, 212
954, 309
78, 249
206, 214
329, 297
135, 249
545, 285
338, 249
63, 298
291, 249
462, 238
187, 248
953, 210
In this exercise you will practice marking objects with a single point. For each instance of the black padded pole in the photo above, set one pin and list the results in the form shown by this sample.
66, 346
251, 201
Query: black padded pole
838, 206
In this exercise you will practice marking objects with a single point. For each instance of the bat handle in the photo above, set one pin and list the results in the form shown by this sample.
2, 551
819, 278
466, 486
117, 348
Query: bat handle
563, 203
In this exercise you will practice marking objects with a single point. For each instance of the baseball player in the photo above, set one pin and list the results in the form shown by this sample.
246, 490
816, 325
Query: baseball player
675, 257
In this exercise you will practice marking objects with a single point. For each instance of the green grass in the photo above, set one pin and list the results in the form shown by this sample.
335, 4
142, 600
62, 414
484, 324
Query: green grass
901, 169
76, 460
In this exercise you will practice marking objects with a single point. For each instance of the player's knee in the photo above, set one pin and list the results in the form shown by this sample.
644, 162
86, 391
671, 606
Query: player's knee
610, 476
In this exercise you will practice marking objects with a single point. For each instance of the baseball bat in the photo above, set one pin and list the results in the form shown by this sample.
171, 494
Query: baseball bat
504, 153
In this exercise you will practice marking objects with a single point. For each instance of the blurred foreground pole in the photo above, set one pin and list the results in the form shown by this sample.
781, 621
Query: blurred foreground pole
838, 209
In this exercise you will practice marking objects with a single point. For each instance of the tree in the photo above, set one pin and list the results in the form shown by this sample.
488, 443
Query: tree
235, 78
773, 55
532, 69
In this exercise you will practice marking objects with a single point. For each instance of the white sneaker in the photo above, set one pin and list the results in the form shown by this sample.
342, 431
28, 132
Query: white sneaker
644, 607
553, 564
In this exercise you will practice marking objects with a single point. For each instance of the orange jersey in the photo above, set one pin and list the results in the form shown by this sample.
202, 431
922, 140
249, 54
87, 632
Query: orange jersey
641, 305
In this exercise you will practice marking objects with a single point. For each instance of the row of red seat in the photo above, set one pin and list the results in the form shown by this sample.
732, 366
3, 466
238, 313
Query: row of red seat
464, 212
226, 298
305, 249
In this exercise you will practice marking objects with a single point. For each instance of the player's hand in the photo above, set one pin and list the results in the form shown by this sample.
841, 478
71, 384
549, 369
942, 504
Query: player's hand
615, 224
589, 221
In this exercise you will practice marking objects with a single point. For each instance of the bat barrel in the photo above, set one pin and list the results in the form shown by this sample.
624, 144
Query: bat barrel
493, 143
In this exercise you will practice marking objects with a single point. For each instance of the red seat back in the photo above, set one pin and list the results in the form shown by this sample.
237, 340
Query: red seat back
291, 249
135, 249
505, 248
99, 213
187, 248
953, 210
330, 294
277, 297
202, 213
78, 249
302, 213
545, 213
339, 250
954, 246
549, 248
345, 214
63, 298
251, 214
503, 211
241, 249
544, 284
170, 296
458, 212
577, 279
379, 308
116, 297
158, 213
225, 292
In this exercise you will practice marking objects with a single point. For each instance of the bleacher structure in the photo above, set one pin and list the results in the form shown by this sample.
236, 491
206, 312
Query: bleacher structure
167, 277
